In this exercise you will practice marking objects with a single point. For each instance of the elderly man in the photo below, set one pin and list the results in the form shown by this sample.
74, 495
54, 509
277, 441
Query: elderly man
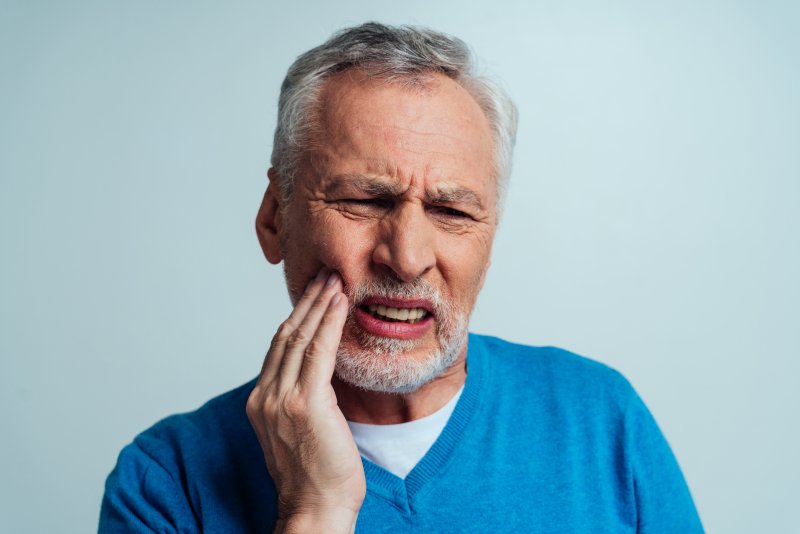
375, 410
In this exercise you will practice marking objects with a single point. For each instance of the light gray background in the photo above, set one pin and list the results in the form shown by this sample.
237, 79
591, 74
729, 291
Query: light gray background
651, 224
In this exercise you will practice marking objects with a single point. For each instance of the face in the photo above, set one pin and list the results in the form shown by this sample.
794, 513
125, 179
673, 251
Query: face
398, 196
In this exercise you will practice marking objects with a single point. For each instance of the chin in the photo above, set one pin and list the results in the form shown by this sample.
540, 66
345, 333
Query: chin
387, 365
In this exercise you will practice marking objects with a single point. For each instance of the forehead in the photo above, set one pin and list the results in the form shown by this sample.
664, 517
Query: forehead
431, 135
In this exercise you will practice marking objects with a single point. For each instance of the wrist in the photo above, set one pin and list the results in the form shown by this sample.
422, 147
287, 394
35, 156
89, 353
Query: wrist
334, 520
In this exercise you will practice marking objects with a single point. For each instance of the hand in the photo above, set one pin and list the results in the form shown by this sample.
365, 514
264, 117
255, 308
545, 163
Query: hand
308, 447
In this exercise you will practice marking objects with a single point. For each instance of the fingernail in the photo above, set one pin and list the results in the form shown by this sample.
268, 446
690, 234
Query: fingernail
336, 298
321, 274
331, 279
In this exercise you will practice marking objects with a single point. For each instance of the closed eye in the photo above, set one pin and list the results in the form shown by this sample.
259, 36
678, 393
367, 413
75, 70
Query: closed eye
368, 202
452, 212
364, 207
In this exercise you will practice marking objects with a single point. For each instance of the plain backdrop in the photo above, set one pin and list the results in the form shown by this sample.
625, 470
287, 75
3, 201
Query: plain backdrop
652, 222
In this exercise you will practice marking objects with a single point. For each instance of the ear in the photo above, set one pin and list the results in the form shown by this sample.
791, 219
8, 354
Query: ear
269, 220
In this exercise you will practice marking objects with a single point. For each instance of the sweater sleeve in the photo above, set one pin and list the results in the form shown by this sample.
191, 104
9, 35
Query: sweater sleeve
663, 502
142, 496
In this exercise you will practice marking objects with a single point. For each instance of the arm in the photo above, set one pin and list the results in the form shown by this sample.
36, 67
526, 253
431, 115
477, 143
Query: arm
663, 501
307, 444
142, 496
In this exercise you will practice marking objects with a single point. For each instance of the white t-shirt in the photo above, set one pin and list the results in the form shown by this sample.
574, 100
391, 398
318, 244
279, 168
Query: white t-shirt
398, 448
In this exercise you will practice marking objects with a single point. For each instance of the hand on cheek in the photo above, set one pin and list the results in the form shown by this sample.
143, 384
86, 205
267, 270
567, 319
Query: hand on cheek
307, 444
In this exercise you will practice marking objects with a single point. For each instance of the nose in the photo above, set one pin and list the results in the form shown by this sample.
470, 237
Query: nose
406, 244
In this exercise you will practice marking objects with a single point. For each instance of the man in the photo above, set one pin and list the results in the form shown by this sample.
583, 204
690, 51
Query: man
375, 410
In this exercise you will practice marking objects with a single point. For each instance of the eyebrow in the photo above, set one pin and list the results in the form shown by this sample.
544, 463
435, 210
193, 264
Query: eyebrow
362, 183
442, 196
457, 195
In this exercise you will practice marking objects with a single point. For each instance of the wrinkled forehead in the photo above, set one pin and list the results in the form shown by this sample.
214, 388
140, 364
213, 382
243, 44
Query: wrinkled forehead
434, 130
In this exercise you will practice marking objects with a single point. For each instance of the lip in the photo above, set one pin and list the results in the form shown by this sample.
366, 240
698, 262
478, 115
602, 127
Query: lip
394, 329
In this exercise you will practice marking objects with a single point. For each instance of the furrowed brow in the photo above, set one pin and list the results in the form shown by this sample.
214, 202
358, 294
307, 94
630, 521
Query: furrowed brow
456, 195
370, 186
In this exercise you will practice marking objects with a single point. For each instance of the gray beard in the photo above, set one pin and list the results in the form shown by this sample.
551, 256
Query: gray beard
380, 363
387, 370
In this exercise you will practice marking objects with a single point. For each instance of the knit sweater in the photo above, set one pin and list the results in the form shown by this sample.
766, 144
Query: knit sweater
541, 440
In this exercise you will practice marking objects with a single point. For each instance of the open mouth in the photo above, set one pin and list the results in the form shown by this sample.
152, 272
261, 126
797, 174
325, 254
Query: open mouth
399, 318
395, 315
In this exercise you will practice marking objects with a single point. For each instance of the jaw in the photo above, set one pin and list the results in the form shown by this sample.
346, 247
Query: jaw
397, 366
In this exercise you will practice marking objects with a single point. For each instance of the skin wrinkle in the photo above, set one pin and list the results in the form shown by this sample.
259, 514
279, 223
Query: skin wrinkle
384, 168
446, 70
320, 160
457, 229
443, 195
414, 239
332, 118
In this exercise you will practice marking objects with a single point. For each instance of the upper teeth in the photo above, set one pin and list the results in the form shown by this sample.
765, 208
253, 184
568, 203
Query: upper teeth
401, 314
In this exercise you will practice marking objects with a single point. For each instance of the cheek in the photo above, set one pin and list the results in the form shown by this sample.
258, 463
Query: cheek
464, 264
342, 245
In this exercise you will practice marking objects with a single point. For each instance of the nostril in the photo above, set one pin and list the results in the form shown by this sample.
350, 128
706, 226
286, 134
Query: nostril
406, 246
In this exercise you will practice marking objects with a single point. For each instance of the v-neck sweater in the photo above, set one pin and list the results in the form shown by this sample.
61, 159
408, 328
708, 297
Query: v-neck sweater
541, 440
399, 447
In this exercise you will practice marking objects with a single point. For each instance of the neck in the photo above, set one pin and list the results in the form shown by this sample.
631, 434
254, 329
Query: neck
375, 408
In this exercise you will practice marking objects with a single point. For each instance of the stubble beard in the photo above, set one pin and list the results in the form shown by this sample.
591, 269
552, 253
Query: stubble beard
384, 364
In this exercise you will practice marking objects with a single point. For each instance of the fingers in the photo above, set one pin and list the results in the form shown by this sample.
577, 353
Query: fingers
306, 339
274, 357
310, 295
320, 357
308, 448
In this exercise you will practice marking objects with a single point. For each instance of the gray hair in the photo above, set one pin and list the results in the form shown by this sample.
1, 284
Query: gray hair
402, 54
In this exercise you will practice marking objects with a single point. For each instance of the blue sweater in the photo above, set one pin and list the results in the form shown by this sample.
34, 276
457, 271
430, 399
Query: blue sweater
541, 440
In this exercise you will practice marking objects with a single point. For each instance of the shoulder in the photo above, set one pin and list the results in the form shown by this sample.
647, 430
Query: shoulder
178, 471
585, 419
187, 441
548, 369
202, 428
183, 441
549, 383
